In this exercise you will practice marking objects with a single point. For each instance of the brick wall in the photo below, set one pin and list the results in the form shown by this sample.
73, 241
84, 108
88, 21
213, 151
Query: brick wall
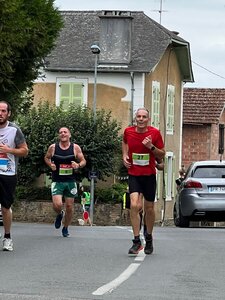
200, 142
195, 143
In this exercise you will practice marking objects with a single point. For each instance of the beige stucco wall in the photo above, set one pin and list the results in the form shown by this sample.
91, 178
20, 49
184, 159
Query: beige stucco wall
167, 72
44, 91
110, 98
167, 76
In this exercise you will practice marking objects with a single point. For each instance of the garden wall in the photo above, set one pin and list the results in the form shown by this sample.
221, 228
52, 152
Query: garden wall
42, 212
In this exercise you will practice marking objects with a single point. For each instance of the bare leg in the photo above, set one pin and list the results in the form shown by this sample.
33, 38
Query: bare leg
149, 215
136, 206
69, 203
57, 203
7, 219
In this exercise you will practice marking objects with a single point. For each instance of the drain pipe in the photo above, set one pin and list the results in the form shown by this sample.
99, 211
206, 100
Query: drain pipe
132, 98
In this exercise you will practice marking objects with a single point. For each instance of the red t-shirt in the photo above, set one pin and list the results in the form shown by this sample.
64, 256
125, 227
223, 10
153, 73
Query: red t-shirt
142, 159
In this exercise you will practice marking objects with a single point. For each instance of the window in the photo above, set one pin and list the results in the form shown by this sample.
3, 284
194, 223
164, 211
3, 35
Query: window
170, 109
115, 39
209, 172
71, 91
155, 104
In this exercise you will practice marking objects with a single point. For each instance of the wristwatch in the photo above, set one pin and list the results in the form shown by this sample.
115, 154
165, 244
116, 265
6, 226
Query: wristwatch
152, 148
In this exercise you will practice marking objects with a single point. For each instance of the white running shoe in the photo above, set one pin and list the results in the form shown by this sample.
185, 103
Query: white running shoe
7, 244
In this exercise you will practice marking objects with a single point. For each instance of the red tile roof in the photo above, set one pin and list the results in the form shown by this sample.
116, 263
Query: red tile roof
203, 106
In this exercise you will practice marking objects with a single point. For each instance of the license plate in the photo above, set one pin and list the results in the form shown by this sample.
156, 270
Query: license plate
217, 189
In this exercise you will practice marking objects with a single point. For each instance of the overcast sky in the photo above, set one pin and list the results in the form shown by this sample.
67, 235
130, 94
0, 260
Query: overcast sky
200, 22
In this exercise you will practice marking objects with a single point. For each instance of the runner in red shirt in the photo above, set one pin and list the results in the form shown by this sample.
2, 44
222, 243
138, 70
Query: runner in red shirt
142, 145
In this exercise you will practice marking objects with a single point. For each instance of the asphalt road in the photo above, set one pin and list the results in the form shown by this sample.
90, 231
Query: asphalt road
93, 264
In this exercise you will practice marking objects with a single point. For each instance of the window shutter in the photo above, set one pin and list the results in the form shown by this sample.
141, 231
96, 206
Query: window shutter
77, 94
64, 95
158, 185
71, 93
155, 104
173, 178
170, 108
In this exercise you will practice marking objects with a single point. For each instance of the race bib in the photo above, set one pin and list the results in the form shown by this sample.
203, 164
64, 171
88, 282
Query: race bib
140, 159
3, 164
65, 169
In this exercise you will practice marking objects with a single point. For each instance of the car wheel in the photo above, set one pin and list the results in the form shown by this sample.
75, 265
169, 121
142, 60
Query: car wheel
180, 220
175, 216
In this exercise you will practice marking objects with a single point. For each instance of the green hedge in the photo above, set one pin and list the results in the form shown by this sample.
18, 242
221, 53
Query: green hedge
113, 194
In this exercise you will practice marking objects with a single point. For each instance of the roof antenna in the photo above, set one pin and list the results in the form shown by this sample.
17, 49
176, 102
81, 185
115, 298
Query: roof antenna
160, 11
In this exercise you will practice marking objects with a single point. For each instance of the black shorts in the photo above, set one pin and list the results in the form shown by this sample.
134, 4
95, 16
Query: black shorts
143, 184
7, 190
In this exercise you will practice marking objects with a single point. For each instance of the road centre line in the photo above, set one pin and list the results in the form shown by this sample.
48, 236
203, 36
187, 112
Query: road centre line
109, 287
112, 285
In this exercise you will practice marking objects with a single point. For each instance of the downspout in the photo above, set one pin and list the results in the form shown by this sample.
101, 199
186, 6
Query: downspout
181, 123
132, 98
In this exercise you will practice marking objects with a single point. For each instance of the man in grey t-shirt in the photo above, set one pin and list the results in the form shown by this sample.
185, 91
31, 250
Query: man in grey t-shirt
12, 146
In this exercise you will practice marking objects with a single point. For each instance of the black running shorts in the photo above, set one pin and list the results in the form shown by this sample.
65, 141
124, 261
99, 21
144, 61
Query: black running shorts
143, 184
7, 190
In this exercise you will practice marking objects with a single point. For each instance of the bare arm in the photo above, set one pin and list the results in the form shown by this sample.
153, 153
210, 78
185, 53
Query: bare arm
158, 153
160, 164
48, 156
20, 151
80, 157
125, 152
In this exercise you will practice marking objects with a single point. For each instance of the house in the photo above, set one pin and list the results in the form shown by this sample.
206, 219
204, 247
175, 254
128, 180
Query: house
203, 111
140, 63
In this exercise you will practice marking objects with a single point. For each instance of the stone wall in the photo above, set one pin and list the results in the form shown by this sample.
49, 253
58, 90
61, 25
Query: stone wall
42, 212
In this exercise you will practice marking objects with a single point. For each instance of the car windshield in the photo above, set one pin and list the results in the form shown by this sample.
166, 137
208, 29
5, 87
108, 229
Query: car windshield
209, 172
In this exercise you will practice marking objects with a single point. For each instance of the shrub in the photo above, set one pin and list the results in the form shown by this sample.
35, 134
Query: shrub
113, 194
33, 193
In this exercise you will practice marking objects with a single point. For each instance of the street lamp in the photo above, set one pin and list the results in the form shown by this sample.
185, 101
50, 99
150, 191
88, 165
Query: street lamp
96, 51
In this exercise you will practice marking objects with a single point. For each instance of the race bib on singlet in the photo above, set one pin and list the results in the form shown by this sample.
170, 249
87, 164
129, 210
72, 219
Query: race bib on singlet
140, 159
3, 162
65, 169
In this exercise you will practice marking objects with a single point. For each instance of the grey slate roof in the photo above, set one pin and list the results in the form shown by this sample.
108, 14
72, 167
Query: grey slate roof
149, 42
203, 105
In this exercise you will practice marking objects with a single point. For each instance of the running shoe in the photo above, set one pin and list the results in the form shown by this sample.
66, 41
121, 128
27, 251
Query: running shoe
7, 244
58, 220
148, 244
137, 246
65, 232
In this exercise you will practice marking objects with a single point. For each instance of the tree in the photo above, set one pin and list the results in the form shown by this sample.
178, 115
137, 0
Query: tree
27, 33
99, 139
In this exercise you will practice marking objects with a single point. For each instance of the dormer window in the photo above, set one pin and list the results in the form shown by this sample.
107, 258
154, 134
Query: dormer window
115, 37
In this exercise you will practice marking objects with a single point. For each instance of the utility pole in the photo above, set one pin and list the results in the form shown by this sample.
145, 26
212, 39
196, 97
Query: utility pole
96, 51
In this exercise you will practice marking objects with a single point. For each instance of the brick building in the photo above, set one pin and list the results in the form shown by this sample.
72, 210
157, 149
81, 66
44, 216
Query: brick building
203, 111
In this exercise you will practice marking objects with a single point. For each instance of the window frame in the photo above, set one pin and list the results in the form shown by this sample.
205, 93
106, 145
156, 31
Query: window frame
72, 80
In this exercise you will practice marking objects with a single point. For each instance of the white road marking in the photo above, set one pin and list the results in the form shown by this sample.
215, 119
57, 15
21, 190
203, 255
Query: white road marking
141, 256
109, 287
112, 285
